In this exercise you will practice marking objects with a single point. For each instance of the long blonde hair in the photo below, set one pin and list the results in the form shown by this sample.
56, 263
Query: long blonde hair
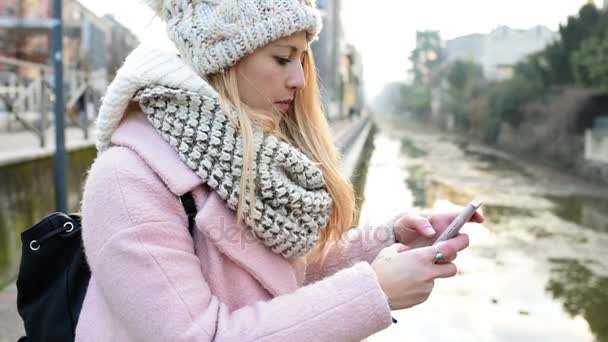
306, 128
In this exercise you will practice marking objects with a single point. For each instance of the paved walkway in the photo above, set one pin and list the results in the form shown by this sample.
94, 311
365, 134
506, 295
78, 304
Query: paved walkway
24, 146
11, 326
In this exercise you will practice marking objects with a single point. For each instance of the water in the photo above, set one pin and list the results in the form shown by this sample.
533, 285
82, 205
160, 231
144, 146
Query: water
535, 269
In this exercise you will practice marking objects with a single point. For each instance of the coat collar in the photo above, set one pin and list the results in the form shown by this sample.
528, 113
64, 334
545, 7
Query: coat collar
136, 133
214, 219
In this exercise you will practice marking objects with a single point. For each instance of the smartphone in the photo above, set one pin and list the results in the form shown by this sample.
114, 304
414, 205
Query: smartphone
459, 221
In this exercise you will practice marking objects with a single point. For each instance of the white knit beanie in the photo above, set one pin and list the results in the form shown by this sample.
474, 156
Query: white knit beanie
212, 35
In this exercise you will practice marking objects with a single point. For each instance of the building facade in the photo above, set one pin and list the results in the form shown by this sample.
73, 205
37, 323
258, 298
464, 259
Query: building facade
327, 51
499, 49
92, 45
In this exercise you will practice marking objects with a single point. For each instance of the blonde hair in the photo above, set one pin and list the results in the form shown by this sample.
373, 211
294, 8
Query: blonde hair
306, 128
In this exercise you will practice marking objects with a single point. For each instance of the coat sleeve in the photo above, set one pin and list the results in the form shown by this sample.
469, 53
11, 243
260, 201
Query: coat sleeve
142, 259
359, 244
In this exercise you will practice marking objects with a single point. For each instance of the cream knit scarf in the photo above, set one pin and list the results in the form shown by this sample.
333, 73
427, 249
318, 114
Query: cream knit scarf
292, 204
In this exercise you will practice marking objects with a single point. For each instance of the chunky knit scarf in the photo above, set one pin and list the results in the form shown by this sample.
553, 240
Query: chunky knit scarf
291, 205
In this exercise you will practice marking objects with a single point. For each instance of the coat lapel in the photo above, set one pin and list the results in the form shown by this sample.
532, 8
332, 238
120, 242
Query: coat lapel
218, 223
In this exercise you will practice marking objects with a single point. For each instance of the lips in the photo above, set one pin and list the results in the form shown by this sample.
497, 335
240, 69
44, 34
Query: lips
283, 106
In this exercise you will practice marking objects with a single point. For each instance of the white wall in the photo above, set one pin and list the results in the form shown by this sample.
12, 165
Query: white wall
596, 145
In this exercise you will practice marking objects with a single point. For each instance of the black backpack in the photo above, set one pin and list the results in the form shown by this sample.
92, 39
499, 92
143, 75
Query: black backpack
54, 275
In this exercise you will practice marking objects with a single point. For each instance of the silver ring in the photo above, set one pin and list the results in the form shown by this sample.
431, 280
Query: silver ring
438, 255
32, 245
68, 224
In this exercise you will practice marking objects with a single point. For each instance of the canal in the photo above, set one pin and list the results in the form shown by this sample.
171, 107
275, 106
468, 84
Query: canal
536, 270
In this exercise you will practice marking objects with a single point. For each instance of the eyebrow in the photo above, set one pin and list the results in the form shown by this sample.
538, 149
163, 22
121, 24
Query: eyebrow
293, 48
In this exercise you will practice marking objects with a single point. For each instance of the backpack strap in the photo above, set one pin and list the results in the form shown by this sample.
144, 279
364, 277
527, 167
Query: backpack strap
190, 209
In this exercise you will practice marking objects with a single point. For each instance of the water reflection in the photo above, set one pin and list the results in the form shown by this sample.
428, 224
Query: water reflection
499, 213
587, 211
493, 163
582, 293
438, 190
532, 273
409, 148
417, 183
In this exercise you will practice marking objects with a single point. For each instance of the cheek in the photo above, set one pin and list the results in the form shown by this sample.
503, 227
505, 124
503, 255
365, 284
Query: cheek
259, 85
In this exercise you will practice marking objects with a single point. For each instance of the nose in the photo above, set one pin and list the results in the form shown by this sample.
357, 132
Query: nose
296, 80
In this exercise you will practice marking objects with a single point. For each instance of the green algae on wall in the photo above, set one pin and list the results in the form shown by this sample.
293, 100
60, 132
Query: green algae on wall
28, 195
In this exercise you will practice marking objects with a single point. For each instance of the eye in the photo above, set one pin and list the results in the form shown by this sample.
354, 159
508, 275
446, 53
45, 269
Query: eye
282, 61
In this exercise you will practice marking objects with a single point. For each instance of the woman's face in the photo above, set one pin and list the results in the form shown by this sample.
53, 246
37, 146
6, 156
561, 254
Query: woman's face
270, 77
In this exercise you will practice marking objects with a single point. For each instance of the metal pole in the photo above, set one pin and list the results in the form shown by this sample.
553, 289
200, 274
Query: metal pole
60, 154
42, 108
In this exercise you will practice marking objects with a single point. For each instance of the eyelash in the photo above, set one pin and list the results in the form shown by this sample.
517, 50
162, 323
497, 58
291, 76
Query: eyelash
284, 61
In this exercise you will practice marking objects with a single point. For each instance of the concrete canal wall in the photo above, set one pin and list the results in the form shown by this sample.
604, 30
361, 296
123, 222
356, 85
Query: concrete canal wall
28, 194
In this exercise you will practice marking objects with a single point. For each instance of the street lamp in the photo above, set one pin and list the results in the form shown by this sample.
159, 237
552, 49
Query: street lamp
60, 153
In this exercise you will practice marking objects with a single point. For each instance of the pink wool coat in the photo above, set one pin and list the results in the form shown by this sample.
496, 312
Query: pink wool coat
151, 281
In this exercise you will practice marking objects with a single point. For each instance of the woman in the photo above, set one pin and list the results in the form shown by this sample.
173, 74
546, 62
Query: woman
235, 120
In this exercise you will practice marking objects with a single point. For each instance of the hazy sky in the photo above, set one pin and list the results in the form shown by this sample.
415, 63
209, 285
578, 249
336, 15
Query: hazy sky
385, 30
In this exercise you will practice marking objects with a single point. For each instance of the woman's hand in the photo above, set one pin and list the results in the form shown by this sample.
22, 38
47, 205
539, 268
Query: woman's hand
421, 230
407, 276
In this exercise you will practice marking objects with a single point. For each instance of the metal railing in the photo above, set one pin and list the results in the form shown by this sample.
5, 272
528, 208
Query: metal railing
28, 103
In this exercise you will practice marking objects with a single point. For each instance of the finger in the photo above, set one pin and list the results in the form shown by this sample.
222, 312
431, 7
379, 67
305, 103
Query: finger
447, 256
460, 242
409, 224
399, 247
402, 248
449, 249
448, 259
445, 270
453, 214
477, 217
443, 254
430, 253
454, 245
394, 249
